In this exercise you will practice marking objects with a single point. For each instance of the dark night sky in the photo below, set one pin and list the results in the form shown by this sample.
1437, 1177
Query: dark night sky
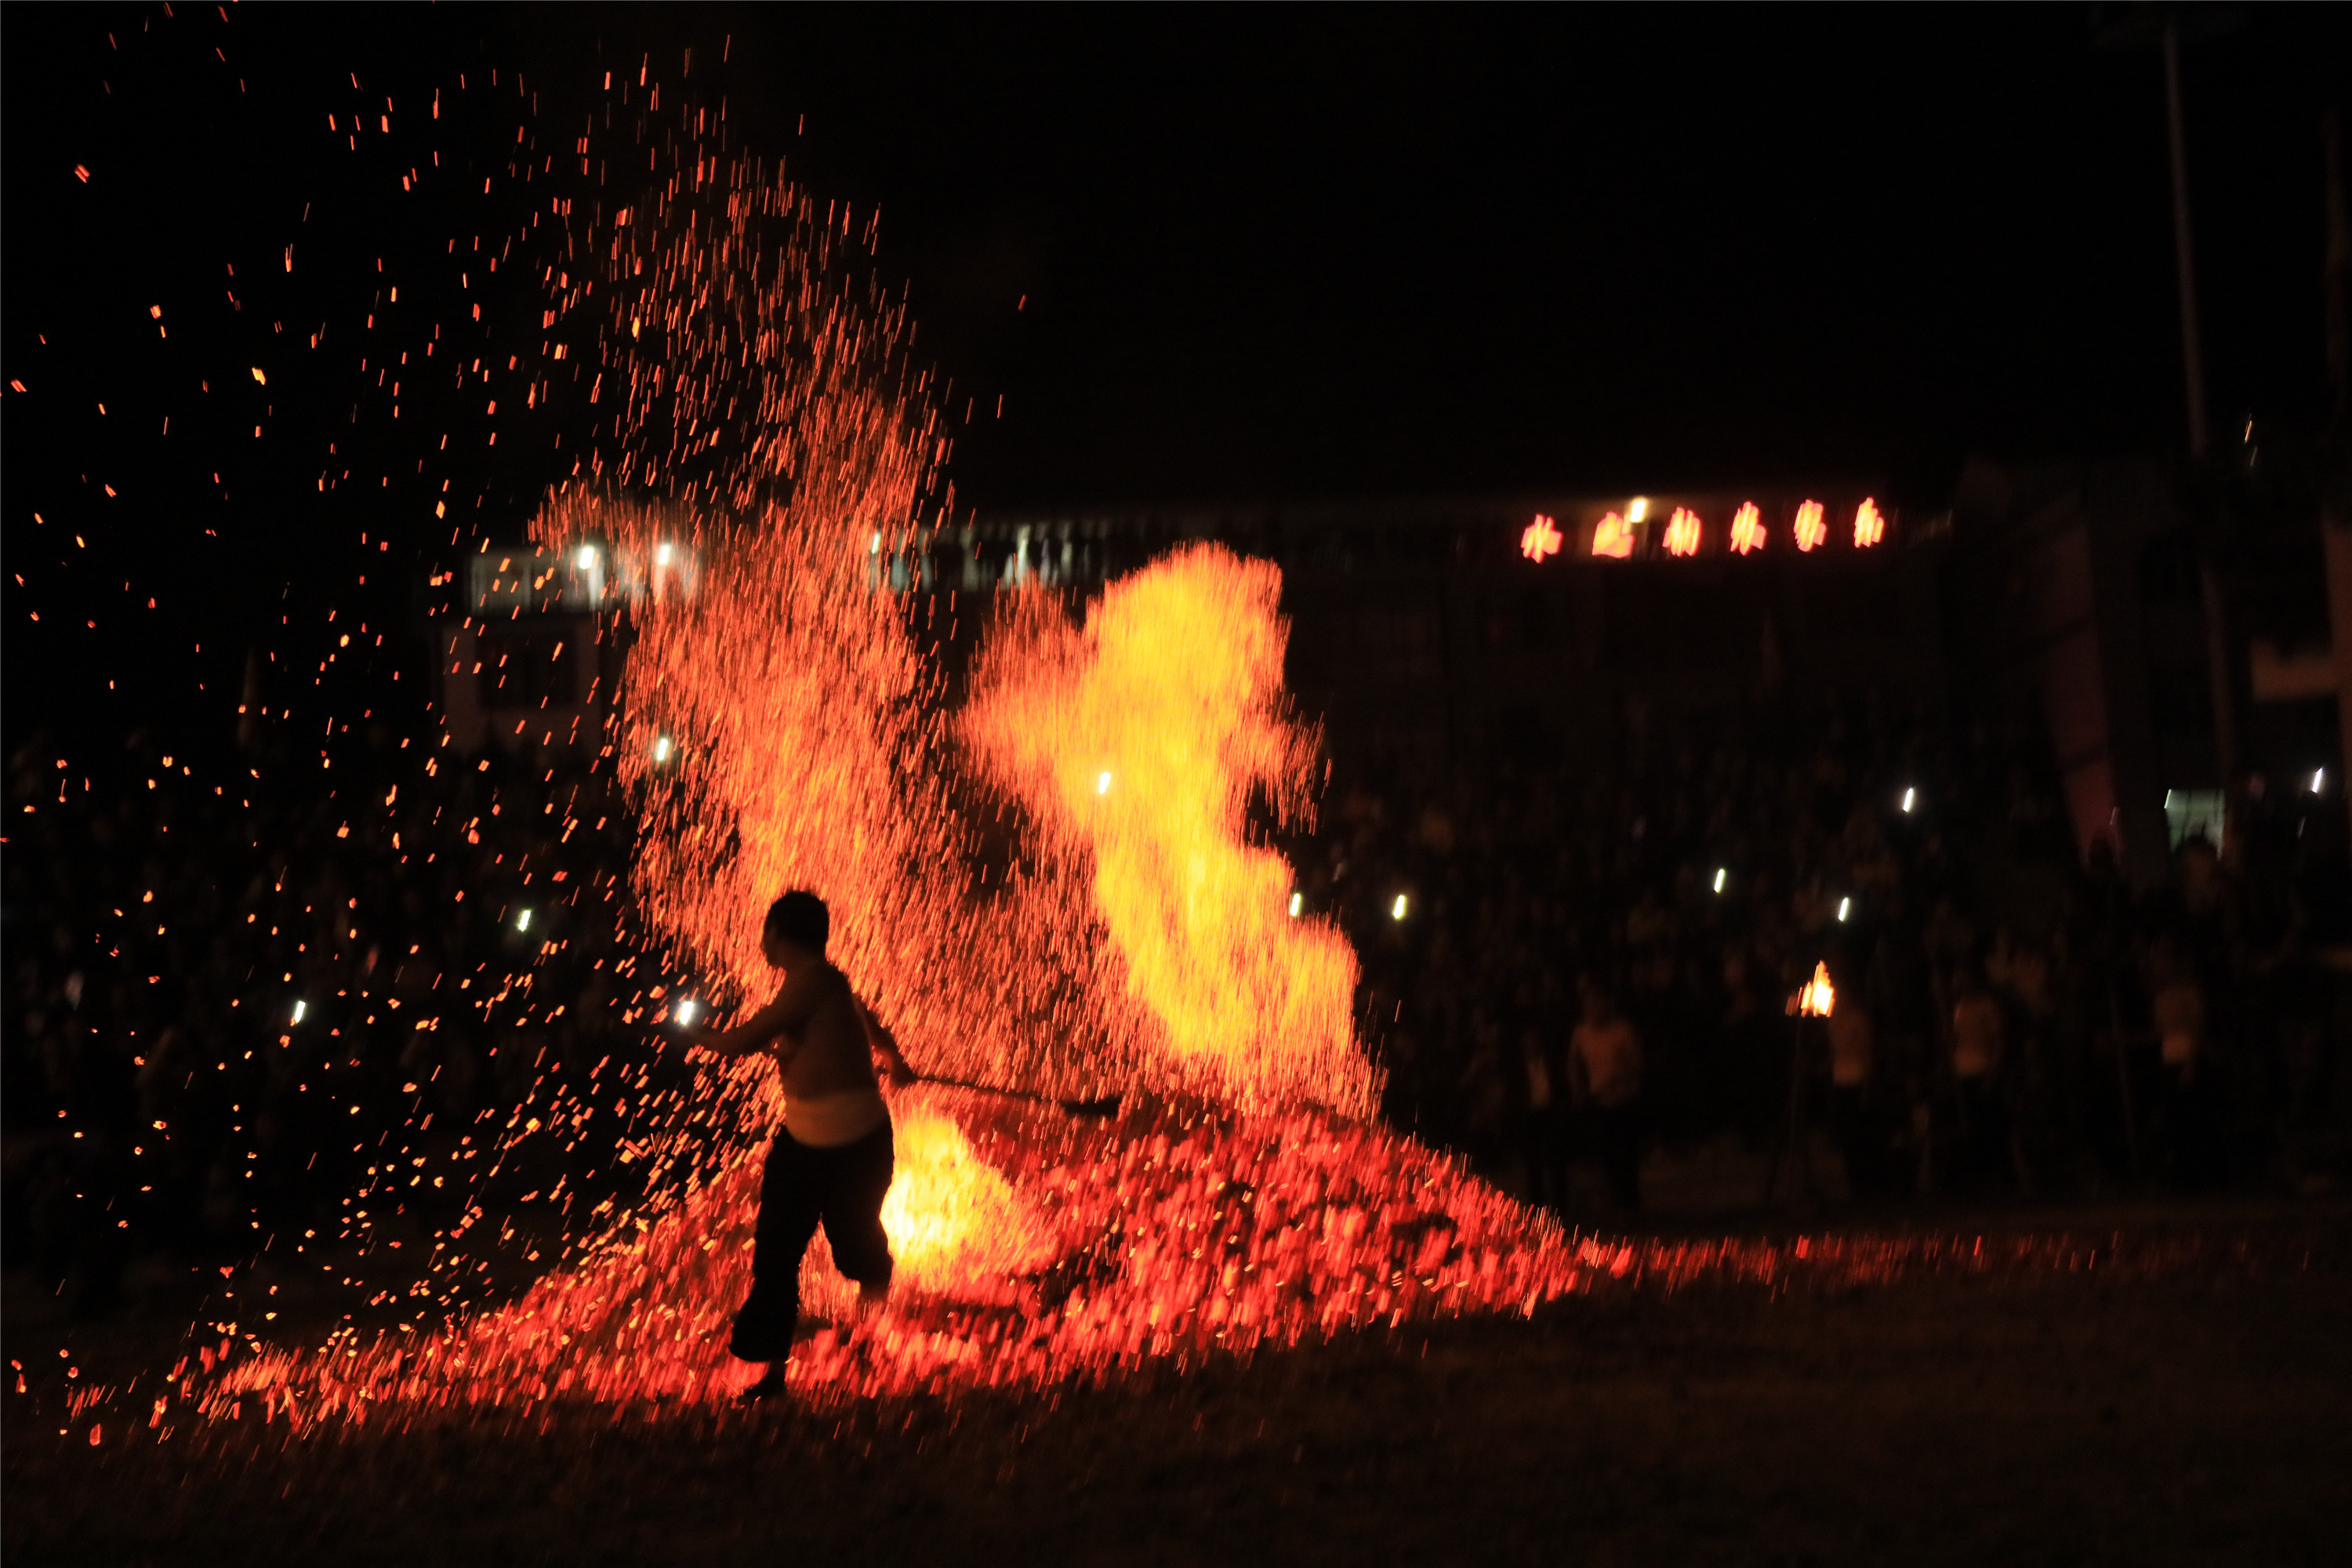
1297, 253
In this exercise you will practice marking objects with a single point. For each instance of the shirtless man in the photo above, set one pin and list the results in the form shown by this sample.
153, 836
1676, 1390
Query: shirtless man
831, 1161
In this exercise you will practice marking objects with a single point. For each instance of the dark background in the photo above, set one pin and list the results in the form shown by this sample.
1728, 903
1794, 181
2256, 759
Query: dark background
1265, 254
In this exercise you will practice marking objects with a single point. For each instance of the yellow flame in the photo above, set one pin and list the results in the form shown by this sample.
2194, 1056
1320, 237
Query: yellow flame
950, 1215
1172, 688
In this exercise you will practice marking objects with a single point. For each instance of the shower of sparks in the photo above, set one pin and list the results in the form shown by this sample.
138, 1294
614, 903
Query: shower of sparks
755, 445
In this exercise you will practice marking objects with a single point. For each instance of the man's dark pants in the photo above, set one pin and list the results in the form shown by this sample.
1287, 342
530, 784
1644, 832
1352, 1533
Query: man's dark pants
842, 1188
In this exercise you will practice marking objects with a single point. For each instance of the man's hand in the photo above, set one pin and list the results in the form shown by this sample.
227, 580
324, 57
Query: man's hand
885, 1047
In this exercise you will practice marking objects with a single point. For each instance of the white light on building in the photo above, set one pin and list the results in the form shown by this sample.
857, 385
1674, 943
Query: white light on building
587, 558
1720, 874
686, 1011
1298, 902
1845, 907
2318, 780
1637, 509
1396, 910
661, 748
523, 921
1909, 796
300, 1009
1102, 784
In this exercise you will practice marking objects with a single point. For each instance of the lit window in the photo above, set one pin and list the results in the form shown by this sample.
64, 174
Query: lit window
1682, 532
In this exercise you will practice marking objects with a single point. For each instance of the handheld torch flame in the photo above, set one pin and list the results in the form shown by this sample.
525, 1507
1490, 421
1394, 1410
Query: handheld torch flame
1816, 998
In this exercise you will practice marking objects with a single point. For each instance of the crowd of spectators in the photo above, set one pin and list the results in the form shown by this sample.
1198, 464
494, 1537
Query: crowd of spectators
2006, 1018
275, 995
285, 995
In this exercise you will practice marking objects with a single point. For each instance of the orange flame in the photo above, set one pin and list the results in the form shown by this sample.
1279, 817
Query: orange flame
1682, 532
1612, 536
1747, 529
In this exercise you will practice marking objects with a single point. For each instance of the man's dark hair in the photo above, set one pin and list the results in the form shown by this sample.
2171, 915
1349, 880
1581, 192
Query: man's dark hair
800, 917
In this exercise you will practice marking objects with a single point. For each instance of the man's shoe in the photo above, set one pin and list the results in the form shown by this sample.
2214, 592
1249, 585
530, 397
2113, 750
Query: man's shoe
770, 1385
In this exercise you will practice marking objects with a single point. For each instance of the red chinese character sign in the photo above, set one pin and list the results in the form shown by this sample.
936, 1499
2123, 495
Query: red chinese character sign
1541, 539
1869, 526
1747, 529
1612, 536
1812, 525
1682, 532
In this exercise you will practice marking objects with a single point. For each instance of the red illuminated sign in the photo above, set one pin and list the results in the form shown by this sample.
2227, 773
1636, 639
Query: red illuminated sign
1748, 529
1541, 539
1812, 525
1682, 532
1869, 527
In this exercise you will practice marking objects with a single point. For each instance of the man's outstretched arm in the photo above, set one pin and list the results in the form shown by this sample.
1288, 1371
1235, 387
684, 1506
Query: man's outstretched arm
779, 1019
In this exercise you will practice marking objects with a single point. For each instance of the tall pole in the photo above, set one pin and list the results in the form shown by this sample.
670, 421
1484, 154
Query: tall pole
2192, 357
2193, 370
